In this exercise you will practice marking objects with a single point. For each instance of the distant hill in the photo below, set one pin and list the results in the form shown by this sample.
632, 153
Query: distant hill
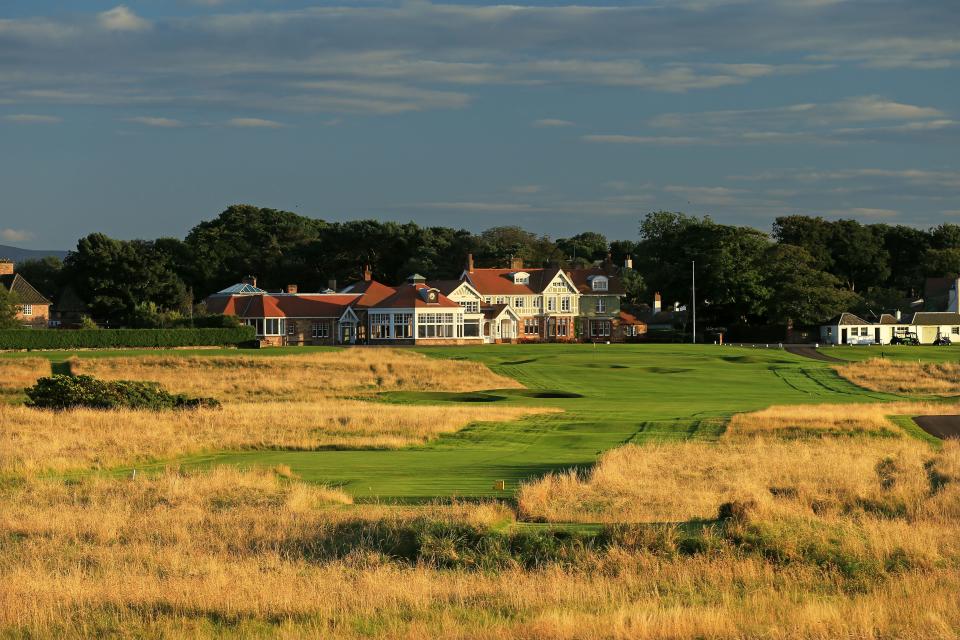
19, 255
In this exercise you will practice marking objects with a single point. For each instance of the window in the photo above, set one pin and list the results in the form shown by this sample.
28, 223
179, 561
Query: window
488, 300
27, 310
435, 325
320, 330
471, 329
403, 325
531, 327
539, 302
601, 305
561, 329
955, 331
518, 302
471, 306
599, 328
599, 283
501, 300
565, 304
291, 328
269, 326
864, 331
379, 326
551, 304
521, 277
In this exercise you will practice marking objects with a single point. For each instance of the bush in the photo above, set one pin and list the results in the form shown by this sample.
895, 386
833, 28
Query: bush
65, 392
123, 338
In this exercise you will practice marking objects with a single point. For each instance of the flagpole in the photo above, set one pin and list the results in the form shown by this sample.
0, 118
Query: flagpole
693, 287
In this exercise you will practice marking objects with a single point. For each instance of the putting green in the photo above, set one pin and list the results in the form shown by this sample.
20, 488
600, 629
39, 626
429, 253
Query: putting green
610, 395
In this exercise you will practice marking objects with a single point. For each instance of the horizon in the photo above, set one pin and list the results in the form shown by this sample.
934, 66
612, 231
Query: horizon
141, 119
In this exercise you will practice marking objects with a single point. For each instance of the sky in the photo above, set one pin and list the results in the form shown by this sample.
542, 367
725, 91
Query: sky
141, 119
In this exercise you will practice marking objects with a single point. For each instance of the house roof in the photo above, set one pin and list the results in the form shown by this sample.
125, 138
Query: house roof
26, 294
628, 318
935, 318
848, 319
889, 318
494, 311
583, 279
500, 281
373, 293
410, 297
281, 305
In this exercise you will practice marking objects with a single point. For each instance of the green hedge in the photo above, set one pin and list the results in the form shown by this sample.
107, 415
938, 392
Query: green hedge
122, 338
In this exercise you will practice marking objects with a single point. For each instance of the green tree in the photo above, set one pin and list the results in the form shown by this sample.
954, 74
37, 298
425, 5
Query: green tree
589, 245
810, 233
938, 263
8, 309
859, 256
45, 274
799, 292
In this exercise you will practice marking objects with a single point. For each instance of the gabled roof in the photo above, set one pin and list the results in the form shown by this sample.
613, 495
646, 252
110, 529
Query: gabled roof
628, 318
889, 318
410, 297
290, 306
494, 311
373, 293
240, 287
847, 318
935, 318
583, 279
26, 294
500, 281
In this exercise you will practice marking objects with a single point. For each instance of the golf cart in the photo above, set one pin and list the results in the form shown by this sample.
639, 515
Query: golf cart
908, 338
942, 341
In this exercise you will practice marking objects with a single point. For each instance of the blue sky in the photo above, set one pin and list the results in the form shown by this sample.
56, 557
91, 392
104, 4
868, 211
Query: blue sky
141, 119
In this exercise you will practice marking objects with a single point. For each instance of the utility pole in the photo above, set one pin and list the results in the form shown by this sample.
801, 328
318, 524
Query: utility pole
693, 288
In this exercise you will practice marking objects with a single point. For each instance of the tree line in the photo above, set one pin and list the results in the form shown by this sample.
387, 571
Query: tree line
804, 271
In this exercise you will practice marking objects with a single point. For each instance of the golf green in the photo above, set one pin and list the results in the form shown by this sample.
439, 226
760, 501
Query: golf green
609, 394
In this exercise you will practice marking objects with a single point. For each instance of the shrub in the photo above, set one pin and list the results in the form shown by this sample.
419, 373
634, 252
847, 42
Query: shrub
66, 392
123, 338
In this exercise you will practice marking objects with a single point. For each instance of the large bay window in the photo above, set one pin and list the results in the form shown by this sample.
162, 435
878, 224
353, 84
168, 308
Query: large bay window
471, 328
379, 326
403, 325
435, 325
268, 326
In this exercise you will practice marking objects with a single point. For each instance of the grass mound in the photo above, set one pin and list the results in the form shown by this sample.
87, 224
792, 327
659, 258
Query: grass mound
62, 392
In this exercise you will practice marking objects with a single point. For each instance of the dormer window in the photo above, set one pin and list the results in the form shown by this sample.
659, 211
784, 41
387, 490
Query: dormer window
429, 295
521, 277
599, 283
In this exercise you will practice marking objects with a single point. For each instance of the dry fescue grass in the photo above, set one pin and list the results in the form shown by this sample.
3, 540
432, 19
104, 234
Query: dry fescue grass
357, 371
242, 554
18, 373
678, 482
831, 419
34, 440
896, 376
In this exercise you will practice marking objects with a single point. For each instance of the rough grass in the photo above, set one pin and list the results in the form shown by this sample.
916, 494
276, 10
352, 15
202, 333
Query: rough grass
18, 373
358, 371
831, 419
33, 440
897, 376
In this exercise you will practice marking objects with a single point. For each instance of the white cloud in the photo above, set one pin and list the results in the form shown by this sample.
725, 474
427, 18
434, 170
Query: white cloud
168, 123
526, 188
15, 235
121, 18
255, 123
552, 122
32, 118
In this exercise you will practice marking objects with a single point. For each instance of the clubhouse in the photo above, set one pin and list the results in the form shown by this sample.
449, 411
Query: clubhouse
514, 304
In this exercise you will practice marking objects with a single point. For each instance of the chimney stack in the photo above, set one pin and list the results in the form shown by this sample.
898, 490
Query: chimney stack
332, 284
656, 302
628, 262
367, 274
608, 262
469, 263
250, 280
516, 264
6, 267
897, 315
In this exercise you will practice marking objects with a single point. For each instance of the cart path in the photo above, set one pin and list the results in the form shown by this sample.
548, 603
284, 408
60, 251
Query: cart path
810, 352
942, 427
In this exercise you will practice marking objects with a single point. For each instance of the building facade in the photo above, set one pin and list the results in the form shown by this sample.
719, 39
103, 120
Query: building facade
33, 309
926, 326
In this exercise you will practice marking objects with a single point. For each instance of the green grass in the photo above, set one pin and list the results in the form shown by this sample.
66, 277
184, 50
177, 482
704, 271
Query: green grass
621, 394
923, 353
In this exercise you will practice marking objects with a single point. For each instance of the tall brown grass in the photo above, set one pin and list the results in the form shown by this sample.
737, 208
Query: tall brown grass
832, 419
897, 376
19, 373
241, 554
299, 377
33, 440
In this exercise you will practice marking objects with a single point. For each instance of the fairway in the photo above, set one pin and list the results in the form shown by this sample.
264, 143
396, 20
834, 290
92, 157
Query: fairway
614, 394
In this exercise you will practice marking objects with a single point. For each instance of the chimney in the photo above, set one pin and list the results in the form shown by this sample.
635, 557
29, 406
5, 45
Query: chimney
291, 288
6, 267
656, 302
332, 284
516, 264
367, 274
608, 262
628, 262
897, 315
416, 279
250, 280
469, 263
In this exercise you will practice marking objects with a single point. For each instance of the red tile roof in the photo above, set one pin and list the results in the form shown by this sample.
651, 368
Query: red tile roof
281, 305
500, 281
373, 294
629, 318
582, 278
409, 297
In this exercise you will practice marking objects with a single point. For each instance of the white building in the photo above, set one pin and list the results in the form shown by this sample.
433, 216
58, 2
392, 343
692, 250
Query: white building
848, 328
